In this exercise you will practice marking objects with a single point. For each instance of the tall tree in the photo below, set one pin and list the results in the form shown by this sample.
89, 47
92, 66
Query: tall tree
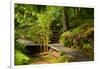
65, 19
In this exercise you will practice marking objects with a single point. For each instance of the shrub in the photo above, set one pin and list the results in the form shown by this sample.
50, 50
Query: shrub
21, 58
64, 37
77, 37
68, 42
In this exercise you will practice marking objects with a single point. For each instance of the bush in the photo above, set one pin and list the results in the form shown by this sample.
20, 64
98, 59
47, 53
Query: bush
64, 37
70, 38
68, 42
78, 36
21, 58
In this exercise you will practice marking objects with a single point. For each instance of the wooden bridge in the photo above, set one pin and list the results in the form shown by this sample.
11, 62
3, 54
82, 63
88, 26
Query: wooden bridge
76, 54
39, 49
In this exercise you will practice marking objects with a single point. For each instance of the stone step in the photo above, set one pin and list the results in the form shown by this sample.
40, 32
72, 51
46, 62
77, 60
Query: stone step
54, 39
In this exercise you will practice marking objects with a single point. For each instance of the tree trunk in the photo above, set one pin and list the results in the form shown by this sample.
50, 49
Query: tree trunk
78, 13
65, 19
46, 44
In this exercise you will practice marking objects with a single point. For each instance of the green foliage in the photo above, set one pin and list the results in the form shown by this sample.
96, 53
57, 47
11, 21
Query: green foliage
77, 36
32, 22
20, 58
25, 19
64, 36
68, 42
